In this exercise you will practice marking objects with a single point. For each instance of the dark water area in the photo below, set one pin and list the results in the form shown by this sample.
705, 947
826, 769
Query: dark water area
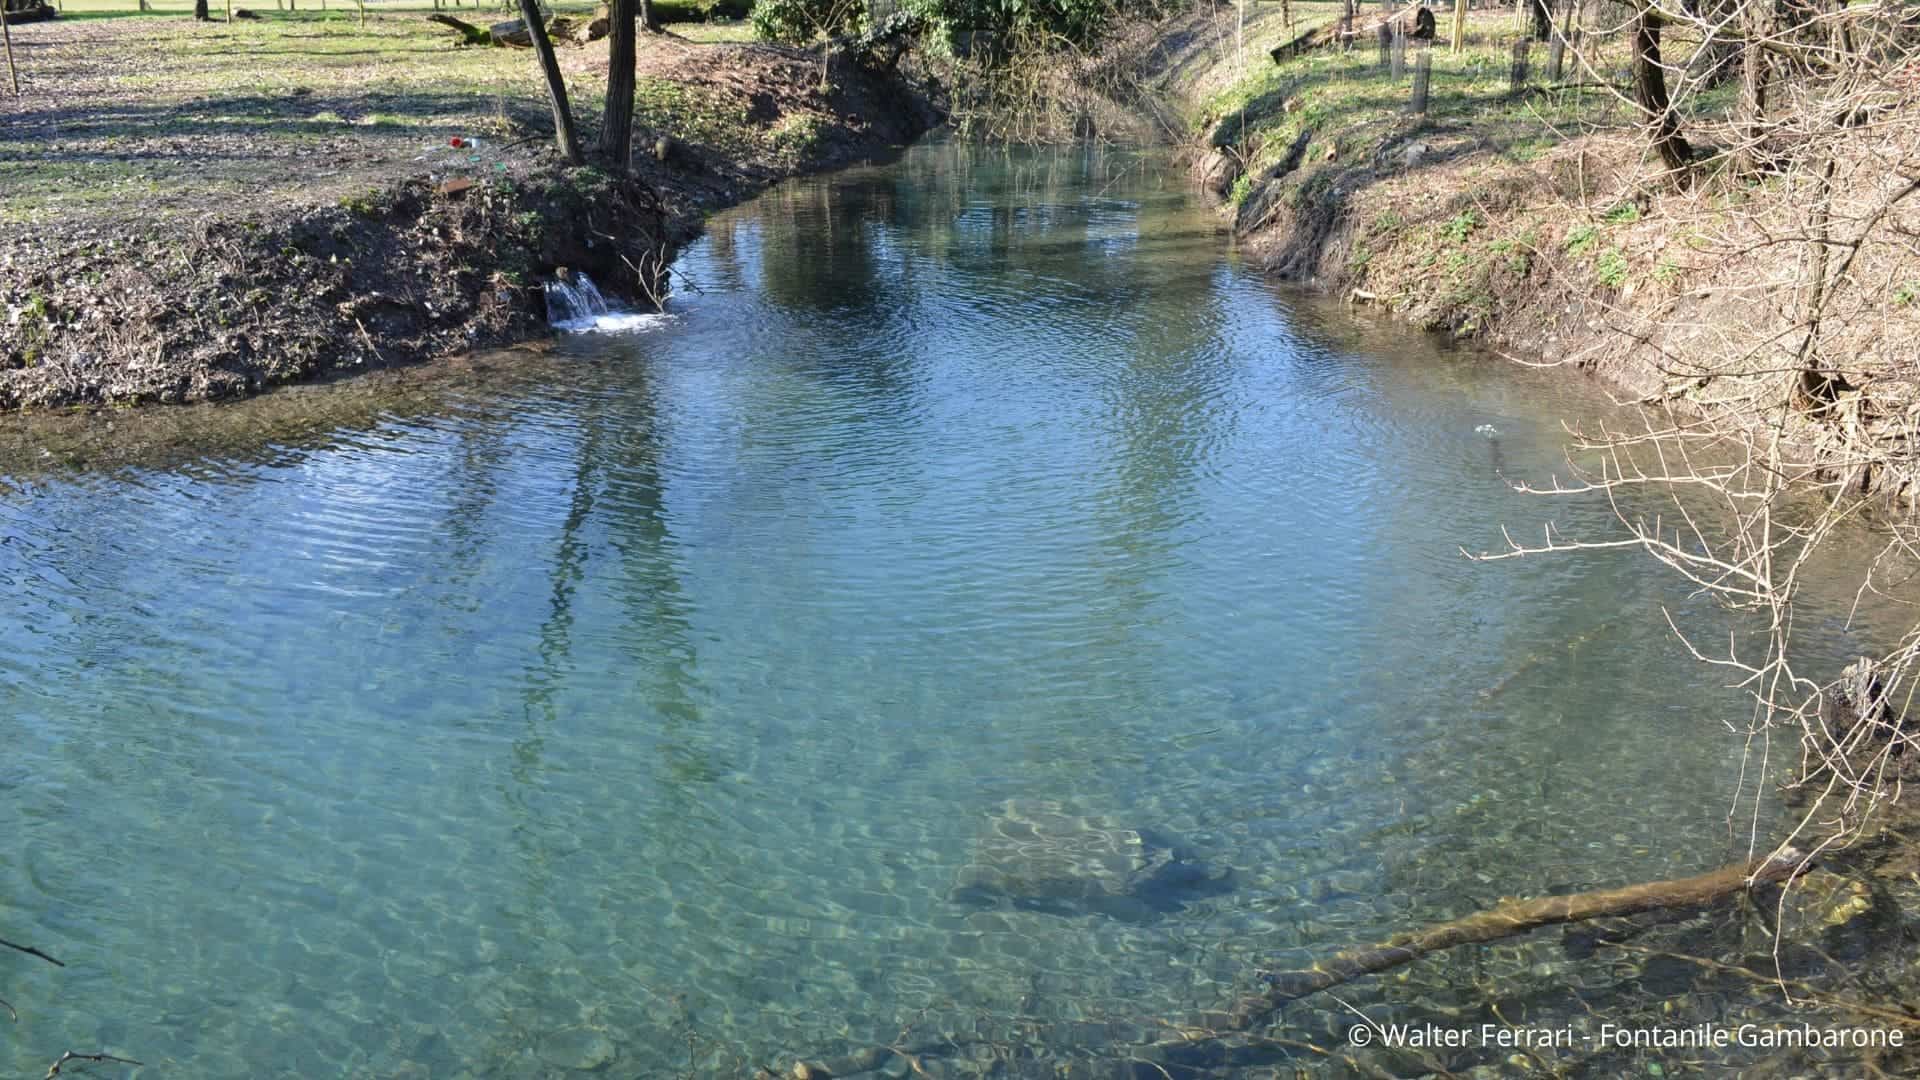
652, 705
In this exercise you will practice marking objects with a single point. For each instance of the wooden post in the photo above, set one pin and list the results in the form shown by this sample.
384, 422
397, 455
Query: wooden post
1385, 36
7, 33
1556, 58
1517, 74
1459, 26
1422, 76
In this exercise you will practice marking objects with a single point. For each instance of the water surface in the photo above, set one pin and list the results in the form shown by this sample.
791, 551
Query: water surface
639, 710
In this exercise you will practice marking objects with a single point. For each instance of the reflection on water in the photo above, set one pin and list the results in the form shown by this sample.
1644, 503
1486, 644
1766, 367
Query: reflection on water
651, 706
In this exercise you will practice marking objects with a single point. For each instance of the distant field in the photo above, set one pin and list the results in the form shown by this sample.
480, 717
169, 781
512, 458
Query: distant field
158, 114
681, 14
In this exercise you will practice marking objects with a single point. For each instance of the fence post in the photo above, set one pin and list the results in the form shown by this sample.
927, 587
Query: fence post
1556, 57
1422, 75
1399, 52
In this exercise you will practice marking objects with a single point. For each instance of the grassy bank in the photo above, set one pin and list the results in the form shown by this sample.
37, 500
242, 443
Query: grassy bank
1536, 220
196, 210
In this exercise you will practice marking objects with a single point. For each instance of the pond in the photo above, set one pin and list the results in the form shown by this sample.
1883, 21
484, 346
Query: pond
647, 706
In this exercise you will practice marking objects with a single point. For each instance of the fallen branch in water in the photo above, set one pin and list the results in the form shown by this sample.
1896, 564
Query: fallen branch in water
30, 951
1502, 921
54, 1069
1507, 919
71, 1056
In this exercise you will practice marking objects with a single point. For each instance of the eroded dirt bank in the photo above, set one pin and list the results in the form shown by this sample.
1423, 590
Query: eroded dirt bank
410, 249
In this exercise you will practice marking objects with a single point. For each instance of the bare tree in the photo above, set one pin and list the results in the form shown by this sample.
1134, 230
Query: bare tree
1790, 430
1650, 91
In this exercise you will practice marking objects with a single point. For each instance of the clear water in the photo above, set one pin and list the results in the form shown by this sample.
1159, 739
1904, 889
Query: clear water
641, 708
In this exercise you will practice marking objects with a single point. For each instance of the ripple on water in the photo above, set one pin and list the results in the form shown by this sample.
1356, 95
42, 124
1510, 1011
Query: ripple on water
544, 723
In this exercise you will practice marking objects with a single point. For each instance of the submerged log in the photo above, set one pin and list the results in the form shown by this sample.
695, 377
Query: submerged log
1508, 919
1505, 920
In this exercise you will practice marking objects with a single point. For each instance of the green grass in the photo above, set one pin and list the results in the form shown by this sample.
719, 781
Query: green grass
1348, 99
668, 11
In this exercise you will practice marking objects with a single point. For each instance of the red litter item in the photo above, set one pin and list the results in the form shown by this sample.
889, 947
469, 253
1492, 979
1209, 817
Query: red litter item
456, 142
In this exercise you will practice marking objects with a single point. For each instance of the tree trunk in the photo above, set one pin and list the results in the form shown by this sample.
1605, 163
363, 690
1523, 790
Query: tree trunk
649, 18
200, 11
8, 35
1756, 74
1650, 93
563, 132
1459, 27
616, 125
1542, 20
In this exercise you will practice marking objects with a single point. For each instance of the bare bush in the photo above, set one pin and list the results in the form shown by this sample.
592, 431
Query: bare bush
1790, 344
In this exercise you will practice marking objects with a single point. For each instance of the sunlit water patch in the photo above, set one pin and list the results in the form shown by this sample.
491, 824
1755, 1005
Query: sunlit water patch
678, 706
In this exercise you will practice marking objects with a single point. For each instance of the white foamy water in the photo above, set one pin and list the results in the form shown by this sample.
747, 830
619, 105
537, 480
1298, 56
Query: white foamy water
578, 307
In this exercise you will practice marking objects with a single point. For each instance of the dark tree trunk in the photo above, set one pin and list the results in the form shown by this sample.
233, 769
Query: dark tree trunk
616, 125
12, 72
648, 17
563, 132
1756, 75
1650, 93
1542, 20
200, 10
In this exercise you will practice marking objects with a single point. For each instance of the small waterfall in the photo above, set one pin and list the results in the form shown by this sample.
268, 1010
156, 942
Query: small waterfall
575, 305
575, 301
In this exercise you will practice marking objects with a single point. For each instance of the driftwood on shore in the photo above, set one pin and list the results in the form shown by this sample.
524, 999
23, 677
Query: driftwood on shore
1508, 919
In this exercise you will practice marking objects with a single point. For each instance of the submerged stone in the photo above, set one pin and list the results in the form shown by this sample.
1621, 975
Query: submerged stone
576, 1048
1037, 855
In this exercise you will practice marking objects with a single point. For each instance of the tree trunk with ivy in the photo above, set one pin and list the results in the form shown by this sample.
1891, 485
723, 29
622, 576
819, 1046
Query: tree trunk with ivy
616, 125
